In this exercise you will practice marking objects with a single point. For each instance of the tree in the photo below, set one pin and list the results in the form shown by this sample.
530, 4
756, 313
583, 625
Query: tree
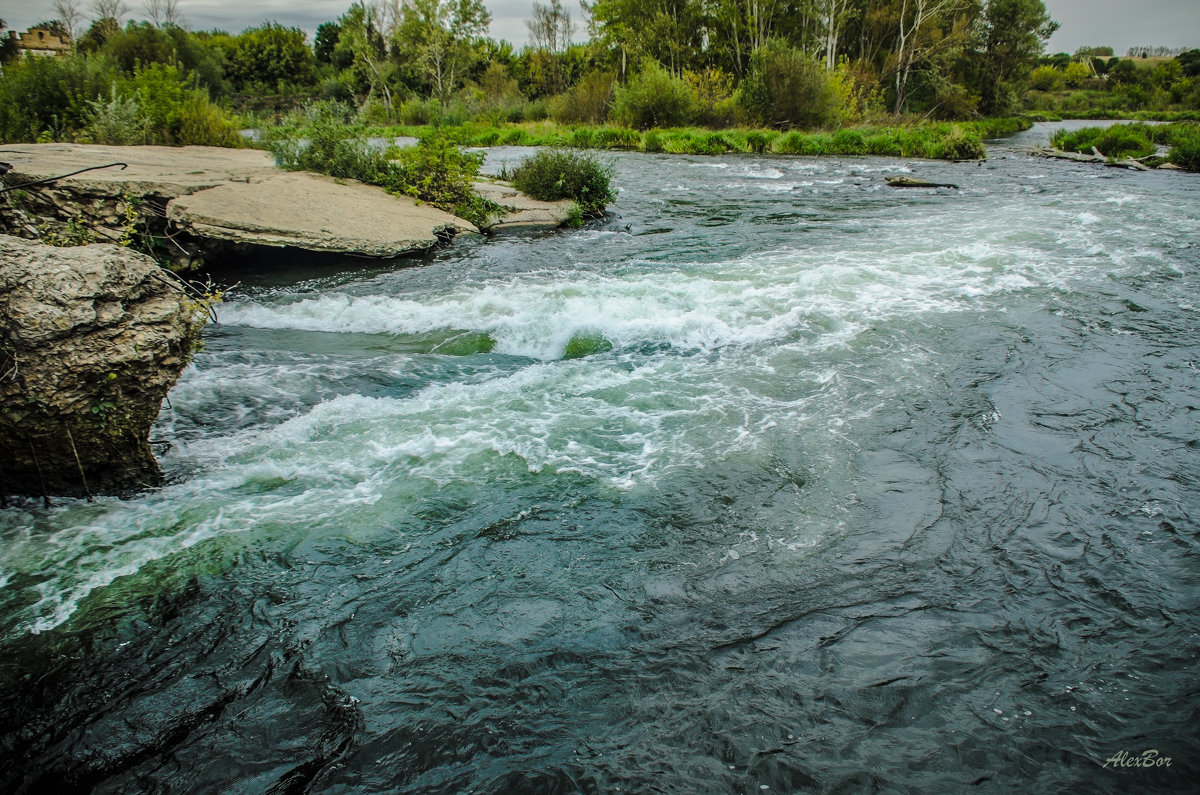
441, 35
551, 27
831, 14
109, 9
326, 41
269, 55
361, 40
739, 27
1012, 36
671, 32
8, 45
69, 14
550, 31
163, 12
912, 49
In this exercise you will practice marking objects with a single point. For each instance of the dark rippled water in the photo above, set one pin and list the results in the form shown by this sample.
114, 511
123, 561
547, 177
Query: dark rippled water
778, 481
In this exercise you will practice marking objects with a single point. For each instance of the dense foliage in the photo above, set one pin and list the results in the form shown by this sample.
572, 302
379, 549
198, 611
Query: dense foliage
1120, 141
647, 65
553, 174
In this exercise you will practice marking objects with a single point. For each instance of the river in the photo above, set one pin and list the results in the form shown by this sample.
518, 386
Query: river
776, 480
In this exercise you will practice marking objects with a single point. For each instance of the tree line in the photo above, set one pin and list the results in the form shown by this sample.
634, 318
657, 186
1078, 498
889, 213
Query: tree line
645, 63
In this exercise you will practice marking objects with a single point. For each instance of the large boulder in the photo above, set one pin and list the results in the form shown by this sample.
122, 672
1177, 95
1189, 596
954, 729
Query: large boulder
91, 339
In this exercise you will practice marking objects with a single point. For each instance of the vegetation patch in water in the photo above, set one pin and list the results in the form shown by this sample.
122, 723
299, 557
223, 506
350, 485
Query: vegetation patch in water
585, 345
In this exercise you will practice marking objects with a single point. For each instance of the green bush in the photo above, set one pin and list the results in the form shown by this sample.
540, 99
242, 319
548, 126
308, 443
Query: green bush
788, 88
54, 95
118, 121
437, 171
1117, 142
1185, 149
587, 102
758, 141
884, 144
654, 98
553, 174
652, 141
1046, 78
849, 142
616, 138
321, 138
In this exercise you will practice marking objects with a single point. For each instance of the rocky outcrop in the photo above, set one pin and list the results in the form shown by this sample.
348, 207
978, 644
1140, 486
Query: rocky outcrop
314, 213
91, 339
197, 200
523, 213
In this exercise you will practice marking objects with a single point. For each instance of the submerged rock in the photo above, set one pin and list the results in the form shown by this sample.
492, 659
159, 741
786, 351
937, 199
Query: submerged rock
912, 182
91, 339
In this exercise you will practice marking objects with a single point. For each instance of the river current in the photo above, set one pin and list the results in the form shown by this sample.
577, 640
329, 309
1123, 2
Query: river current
776, 480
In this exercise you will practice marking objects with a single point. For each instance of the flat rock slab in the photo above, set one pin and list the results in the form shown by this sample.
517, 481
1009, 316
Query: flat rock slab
524, 213
239, 196
314, 213
167, 170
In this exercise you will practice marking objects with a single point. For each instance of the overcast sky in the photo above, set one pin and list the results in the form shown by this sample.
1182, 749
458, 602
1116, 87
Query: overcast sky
1120, 24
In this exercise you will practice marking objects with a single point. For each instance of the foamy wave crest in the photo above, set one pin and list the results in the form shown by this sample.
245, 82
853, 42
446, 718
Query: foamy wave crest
694, 307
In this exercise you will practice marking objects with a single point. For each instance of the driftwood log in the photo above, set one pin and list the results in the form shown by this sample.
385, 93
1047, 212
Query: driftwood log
910, 182
1059, 154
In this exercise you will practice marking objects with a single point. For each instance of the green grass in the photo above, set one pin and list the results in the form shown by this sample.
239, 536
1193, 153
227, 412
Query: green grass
940, 140
1120, 141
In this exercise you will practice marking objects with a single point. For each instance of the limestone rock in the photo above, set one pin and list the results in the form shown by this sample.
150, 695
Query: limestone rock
314, 213
205, 199
524, 213
91, 340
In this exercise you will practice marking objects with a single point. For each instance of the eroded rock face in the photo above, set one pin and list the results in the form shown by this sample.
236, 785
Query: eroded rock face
91, 339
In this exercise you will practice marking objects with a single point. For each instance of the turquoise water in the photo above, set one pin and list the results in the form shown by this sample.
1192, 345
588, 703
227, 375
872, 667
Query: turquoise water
776, 478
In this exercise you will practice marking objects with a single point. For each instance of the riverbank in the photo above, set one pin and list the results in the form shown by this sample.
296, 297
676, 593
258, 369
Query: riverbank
932, 140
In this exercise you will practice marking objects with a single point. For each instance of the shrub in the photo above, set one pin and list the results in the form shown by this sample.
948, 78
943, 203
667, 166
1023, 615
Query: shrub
320, 138
787, 88
437, 171
1046, 78
1185, 149
1118, 141
587, 102
758, 141
119, 121
1076, 73
553, 174
849, 142
654, 98
50, 94
713, 91
616, 138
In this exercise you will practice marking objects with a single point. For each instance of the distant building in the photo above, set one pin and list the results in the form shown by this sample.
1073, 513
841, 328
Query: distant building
41, 41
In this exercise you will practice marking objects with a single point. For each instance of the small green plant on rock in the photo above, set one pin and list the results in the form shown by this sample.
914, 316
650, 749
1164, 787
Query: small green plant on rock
554, 174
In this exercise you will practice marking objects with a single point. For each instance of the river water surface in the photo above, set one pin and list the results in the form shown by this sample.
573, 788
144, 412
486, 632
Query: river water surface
777, 480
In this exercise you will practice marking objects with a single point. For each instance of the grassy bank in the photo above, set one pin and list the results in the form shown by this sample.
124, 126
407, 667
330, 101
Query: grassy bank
939, 141
1124, 115
1136, 140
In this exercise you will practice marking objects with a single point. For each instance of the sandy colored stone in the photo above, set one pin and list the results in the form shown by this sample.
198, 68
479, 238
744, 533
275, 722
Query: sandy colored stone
315, 213
91, 340
238, 196
524, 213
